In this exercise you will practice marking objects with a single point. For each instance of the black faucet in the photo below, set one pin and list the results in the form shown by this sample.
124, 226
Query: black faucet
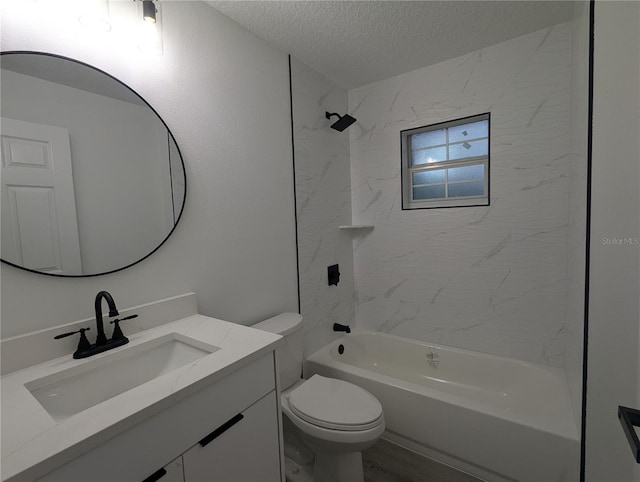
85, 349
339, 327
101, 338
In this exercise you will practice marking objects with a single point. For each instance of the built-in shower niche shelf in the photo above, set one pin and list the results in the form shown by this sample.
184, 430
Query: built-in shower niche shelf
356, 226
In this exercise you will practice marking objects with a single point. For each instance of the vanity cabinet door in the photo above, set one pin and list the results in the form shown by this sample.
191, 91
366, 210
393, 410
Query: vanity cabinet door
244, 449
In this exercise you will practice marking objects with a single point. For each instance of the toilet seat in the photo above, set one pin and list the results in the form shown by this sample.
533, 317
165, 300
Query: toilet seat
335, 404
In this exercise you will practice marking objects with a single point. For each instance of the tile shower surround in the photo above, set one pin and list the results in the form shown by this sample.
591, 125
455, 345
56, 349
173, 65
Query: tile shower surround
323, 202
491, 279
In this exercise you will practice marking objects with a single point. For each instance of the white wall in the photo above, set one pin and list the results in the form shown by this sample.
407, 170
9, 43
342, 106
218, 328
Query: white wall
613, 350
120, 167
491, 279
224, 93
323, 197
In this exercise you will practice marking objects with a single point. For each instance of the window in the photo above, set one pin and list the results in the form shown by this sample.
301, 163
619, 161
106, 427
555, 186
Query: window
447, 164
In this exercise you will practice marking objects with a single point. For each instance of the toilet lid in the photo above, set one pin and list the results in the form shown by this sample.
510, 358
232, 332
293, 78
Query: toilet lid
335, 404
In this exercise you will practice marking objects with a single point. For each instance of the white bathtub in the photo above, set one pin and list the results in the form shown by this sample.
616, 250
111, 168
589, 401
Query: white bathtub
497, 418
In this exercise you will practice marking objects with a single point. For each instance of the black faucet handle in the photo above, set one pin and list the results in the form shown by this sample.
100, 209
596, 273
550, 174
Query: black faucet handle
64, 335
83, 344
117, 331
130, 317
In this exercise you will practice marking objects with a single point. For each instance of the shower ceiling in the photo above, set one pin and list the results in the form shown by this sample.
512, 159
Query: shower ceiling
355, 43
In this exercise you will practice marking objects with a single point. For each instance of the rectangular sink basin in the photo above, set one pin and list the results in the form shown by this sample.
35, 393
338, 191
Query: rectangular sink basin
71, 391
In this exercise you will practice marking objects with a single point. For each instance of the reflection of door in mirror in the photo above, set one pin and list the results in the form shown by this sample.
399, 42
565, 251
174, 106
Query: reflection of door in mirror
128, 178
39, 223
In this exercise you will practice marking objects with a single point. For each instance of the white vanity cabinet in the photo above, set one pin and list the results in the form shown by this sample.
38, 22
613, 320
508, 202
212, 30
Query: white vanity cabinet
226, 431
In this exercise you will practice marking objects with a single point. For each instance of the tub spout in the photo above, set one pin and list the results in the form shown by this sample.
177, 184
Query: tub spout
339, 327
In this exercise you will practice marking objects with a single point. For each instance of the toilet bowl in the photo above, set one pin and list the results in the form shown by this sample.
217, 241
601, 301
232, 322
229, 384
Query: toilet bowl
335, 419
333, 412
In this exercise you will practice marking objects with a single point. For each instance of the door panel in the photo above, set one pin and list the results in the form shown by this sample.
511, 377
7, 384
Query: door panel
39, 222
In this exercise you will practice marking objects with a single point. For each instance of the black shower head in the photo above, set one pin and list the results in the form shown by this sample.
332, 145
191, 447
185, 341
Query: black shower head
343, 121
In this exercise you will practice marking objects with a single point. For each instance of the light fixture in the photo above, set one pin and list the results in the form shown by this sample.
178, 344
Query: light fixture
150, 28
95, 15
148, 11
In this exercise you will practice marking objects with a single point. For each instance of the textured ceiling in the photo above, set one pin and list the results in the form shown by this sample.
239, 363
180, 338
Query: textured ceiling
355, 43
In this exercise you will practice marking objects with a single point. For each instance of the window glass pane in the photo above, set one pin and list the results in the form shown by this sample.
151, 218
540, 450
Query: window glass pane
427, 156
466, 173
428, 192
469, 149
428, 139
475, 188
432, 176
469, 131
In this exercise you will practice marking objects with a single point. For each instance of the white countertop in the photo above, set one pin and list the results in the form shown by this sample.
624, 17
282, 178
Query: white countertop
33, 443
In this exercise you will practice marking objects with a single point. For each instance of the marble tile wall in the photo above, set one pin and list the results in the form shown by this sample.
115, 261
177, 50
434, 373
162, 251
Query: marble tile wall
323, 202
491, 279
577, 205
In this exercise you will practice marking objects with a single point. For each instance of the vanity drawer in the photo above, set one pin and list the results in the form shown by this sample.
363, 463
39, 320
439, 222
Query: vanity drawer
253, 434
138, 452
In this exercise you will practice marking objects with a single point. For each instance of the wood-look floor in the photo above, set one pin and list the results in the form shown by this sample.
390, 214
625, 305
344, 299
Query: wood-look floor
388, 462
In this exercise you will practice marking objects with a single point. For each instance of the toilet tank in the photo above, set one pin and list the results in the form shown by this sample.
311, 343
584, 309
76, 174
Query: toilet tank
288, 325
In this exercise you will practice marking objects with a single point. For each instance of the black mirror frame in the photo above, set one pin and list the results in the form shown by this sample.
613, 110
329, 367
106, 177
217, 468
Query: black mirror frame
184, 170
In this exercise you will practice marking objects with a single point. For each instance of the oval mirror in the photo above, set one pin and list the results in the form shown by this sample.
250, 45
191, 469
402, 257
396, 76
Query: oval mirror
92, 179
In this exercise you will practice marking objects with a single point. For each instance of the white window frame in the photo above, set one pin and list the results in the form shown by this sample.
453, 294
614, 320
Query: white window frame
407, 169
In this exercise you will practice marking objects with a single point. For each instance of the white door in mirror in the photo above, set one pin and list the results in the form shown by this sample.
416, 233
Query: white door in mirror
39, 222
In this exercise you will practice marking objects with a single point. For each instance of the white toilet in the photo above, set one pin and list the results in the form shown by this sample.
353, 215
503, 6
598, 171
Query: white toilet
335, 418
